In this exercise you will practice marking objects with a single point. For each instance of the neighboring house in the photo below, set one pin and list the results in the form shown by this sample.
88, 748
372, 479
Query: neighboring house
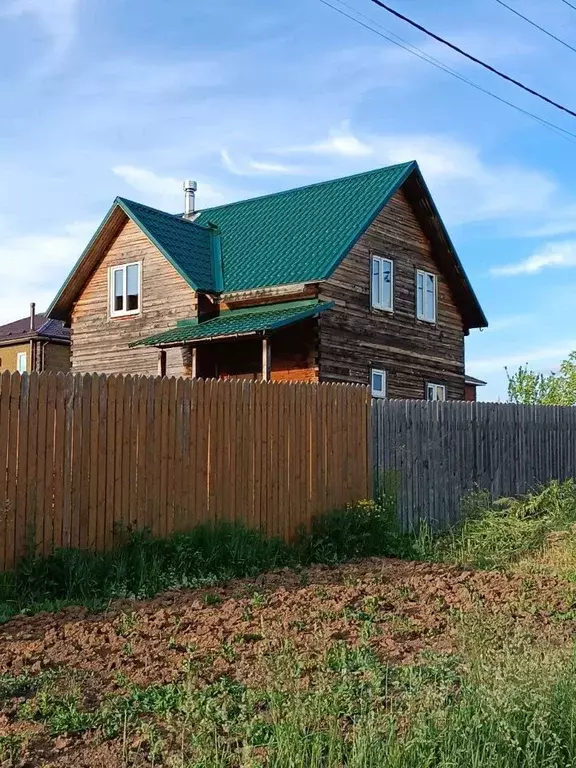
35, 343
353, 280
470, 388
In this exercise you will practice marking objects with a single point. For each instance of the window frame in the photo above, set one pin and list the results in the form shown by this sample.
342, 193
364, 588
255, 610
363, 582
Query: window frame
422, 315
381, 259
111, 295
19, 357
436, 387
382, 393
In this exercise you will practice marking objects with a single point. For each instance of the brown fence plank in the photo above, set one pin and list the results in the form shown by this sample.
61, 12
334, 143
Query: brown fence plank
5, 383
60, 438
110, 485
118, 455
20, 507
11, 511
42, 432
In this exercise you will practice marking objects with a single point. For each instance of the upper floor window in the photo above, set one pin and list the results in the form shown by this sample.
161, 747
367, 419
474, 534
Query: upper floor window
435, 392
426, 296
378, 382
125, 289
382, 284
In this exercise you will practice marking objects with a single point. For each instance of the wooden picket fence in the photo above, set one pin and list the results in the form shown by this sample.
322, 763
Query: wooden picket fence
436, 455
82, 455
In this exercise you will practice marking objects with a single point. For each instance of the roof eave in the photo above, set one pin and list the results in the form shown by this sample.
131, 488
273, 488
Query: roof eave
274, 326
477, 318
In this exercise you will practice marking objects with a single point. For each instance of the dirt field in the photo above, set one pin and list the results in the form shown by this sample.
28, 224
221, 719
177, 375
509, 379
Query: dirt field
55, 670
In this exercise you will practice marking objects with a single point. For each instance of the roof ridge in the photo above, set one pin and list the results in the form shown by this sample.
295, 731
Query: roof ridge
327, 182
173, 216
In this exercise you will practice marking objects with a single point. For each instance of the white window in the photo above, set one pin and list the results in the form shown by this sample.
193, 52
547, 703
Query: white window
22, 362
426, 296
435, 392
125, 289
378, 382
382, 283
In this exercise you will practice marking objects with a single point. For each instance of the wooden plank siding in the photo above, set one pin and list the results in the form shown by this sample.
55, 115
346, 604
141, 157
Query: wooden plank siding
80, 454
100, 342
55, 357
353, 337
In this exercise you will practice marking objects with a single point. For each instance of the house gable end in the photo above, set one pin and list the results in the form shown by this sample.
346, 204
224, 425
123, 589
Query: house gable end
188, 248
100, 342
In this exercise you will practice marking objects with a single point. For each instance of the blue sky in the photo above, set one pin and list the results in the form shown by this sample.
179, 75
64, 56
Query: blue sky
100, 98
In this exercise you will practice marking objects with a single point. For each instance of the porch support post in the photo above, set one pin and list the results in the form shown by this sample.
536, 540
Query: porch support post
161, 362
266, 358
194, 362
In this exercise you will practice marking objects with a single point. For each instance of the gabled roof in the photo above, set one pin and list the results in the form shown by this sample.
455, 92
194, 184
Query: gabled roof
238, 322
300, 235
297, 236
186, 244
192, 249
19, 330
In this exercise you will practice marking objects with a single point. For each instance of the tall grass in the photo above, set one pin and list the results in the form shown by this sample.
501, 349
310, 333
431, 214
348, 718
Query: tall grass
499, 534
349, 709
143, 566
491, 535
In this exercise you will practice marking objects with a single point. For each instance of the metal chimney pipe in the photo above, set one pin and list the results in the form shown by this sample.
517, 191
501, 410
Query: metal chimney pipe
190, 188
32, 315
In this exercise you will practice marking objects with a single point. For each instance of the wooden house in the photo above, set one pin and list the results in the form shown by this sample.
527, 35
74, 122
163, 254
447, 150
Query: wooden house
351, 280
35, 343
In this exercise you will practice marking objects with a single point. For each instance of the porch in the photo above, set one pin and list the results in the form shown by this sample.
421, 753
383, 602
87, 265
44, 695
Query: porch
271, 343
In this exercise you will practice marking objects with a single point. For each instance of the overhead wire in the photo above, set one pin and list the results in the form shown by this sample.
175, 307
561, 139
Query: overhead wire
470, 57
569, 4
537, 26
388, 35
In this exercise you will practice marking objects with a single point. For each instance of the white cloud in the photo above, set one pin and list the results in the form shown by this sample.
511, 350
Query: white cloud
550, 255
466, 187
166, 192
341, 142
32, 267
57, 18
551, 354
251, 167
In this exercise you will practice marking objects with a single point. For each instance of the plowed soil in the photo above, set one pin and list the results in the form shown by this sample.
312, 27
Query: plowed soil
415, 607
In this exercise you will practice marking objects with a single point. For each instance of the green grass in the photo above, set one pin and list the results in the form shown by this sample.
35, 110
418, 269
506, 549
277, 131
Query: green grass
501, 534
490, 536
504, 698
144, 566
479, 710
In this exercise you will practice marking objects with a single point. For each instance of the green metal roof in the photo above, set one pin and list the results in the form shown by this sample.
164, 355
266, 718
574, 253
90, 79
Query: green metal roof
190, 247
300, 235
297, 236
238, 322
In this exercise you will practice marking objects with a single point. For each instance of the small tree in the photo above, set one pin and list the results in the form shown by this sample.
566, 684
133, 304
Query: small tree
528, 387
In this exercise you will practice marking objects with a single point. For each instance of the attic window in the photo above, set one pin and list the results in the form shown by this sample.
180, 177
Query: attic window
382, 284
426, 296
125, 290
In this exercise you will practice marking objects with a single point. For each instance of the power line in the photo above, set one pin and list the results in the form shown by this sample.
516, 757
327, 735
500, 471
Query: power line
569, 4
415, 51
473, 58
537, 26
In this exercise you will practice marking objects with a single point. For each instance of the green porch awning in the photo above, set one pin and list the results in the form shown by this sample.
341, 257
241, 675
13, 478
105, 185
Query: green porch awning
237, 322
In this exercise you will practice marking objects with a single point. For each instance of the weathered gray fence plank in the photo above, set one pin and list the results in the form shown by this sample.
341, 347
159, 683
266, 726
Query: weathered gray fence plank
438, 453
